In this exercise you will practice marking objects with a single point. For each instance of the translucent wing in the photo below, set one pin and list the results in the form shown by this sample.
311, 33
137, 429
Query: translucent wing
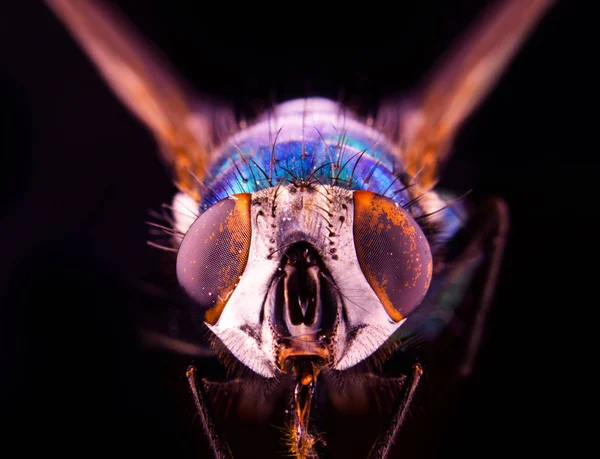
185, 127
427, 127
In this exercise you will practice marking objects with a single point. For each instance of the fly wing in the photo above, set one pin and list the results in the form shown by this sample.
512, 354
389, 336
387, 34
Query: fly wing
185, 127
427, 127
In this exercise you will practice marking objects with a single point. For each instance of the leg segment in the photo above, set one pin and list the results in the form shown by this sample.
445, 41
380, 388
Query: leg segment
494, 232
220, 449
382, 446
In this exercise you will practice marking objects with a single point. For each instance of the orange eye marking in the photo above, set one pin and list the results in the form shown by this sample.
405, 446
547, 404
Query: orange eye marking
371, 211
237, 226
429, 273
377, 207
381, 292
391, 251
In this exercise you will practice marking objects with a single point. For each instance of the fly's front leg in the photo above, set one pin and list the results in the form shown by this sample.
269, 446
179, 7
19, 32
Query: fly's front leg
382, 446
220, 449
492, 234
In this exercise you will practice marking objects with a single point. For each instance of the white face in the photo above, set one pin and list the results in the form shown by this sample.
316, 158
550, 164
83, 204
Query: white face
303, 289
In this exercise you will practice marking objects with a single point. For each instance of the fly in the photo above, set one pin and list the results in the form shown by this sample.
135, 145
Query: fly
312, 244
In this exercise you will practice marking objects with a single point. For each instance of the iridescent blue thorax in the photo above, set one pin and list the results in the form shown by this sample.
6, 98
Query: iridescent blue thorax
308, 140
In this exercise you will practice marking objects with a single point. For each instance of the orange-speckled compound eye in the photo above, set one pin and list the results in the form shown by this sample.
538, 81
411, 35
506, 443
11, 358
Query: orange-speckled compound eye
392, 251
214, 252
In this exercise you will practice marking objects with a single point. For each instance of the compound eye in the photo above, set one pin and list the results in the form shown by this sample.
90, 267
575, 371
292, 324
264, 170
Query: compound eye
214, 253
393, 253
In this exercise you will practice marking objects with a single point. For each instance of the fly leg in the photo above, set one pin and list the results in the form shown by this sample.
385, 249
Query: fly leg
220, 449
382, 446
493, 233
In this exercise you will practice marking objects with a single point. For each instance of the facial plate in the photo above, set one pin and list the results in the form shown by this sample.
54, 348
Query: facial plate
326, 218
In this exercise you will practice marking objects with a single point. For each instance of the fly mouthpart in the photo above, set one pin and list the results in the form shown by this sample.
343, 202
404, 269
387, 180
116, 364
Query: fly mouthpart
305, 370
305, 309
291, 358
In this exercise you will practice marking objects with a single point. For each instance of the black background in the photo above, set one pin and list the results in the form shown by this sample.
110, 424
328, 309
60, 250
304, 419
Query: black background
79, 175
